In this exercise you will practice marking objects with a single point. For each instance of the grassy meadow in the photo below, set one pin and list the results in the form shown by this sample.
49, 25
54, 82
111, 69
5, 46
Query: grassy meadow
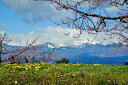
63, 74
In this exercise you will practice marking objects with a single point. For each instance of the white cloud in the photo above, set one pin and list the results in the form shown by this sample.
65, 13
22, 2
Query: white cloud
50, 34
33, 12
2, 31
56, 35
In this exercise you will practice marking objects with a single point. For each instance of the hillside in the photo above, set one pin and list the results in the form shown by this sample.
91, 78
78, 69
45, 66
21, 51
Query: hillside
86, 53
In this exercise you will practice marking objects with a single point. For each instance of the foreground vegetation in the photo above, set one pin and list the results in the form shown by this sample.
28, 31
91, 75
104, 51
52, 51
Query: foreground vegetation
63, 74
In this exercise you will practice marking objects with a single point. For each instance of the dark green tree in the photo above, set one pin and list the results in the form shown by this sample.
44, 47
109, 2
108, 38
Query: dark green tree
63, 60
126, 63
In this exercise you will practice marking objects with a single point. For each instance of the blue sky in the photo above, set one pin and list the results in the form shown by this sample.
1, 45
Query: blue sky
23, 20
17, 28
13, 23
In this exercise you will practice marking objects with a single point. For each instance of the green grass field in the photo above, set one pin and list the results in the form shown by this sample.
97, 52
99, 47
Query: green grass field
63, 74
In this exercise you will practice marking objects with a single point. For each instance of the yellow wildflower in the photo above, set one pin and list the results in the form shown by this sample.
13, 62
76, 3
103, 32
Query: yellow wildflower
96, 64
16, 82
26, 68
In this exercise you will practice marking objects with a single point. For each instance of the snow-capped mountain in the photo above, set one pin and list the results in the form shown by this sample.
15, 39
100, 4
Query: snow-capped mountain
88, 53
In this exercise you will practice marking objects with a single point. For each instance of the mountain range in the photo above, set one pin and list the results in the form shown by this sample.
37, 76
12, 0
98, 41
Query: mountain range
87, 53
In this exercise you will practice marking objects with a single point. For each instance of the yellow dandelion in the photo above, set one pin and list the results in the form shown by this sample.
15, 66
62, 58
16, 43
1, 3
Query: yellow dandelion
96, 64
26, 68
16, 82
